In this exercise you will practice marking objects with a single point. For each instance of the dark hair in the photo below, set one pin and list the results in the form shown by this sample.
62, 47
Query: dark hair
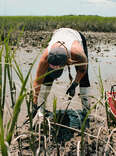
57, 56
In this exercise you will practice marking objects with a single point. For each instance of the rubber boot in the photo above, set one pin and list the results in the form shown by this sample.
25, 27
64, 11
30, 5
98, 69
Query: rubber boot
84, 95
44, 92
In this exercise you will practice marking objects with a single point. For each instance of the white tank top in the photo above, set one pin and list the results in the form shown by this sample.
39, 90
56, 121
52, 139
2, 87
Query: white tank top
67, 36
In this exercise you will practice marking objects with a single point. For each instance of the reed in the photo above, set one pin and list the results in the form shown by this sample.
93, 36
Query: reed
7, 64
98, 102
49, 23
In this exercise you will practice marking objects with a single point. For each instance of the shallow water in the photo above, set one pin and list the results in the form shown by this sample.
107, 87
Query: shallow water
106, 60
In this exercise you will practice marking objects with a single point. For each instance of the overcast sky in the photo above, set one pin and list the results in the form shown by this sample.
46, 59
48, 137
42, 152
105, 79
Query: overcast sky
57, 7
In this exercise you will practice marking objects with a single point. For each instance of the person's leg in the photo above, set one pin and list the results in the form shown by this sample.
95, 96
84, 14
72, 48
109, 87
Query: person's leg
43, 94
84, 95
44, 91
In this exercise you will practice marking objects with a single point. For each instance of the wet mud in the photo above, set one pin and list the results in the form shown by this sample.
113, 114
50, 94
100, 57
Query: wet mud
102, 57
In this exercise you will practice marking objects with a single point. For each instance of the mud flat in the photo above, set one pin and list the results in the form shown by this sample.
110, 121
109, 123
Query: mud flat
102, 55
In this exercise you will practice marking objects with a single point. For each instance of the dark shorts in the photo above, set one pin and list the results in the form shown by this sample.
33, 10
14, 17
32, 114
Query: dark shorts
52, 76
85, 80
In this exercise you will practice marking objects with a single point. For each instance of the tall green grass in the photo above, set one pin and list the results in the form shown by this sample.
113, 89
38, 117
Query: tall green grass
8, 65
49, 23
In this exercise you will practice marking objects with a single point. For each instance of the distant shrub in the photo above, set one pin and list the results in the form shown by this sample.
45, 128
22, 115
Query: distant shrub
49, 23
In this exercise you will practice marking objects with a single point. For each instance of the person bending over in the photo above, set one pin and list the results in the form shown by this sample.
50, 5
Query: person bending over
66, 47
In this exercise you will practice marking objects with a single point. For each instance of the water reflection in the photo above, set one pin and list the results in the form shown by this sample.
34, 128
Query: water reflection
106, 60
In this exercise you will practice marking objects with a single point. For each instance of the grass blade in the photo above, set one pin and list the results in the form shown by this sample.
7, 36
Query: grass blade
18, 105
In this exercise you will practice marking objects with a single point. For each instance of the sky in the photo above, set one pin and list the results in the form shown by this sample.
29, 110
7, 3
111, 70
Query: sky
106, 8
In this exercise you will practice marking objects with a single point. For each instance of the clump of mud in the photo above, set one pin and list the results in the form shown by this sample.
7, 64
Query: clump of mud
68, 141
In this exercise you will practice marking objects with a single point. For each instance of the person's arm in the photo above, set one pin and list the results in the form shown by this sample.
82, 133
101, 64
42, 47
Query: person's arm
41, 70
80, 61
81, 67
79, 56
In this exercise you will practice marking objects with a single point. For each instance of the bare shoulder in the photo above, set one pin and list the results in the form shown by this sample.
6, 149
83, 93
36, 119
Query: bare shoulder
77, 52
44, 55
43, 64
76, 47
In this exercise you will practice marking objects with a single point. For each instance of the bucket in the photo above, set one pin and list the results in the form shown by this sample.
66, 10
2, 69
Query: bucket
112, 100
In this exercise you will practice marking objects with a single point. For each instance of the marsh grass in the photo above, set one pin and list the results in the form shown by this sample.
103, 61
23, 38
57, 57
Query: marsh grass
7, 66
48, 23
83, 133
44, 130
6, 73
48, 126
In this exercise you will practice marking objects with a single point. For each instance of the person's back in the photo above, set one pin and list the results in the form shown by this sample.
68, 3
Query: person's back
66, 47
66, 36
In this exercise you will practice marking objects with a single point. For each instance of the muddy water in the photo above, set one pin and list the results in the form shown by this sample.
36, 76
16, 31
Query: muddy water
105, 58
102, 55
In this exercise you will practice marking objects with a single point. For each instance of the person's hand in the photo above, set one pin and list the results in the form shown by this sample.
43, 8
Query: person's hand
37, 113
38, 117
71, 89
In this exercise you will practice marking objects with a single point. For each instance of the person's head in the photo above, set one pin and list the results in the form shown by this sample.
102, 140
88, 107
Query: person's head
57, 57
